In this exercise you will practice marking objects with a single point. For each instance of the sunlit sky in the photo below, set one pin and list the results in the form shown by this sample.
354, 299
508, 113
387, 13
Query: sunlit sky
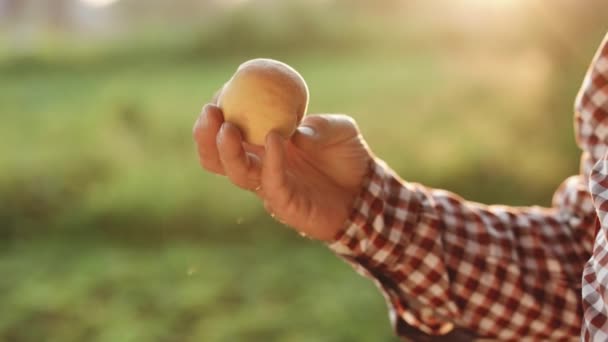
99, 3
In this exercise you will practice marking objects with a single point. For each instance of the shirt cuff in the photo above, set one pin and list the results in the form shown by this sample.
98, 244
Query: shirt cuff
369, 231
375, 240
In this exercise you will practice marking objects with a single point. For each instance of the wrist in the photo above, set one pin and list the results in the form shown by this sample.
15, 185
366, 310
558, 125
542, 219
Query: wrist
351, 200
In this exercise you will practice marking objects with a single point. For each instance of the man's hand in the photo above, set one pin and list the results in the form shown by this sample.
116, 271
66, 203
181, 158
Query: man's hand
309, 182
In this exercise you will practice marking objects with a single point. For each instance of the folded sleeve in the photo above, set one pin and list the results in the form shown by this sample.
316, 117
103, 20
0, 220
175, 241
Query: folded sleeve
444, 263
592, 134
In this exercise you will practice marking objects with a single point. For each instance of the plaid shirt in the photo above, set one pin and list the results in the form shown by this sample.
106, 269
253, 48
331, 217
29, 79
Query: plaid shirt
449, 266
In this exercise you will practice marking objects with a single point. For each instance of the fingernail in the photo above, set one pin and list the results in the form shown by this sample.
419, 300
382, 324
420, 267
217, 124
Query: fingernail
224, 127
220, 134
228, 125
209, 109
207, 106
269, 138
306, 130
202, 117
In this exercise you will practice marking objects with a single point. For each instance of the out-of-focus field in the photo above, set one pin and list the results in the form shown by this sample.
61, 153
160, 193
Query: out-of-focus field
109, 230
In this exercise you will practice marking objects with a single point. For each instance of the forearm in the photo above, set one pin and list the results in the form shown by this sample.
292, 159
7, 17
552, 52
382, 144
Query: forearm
441, 260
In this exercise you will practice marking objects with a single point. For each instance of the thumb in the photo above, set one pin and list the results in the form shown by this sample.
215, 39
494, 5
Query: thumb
325, 129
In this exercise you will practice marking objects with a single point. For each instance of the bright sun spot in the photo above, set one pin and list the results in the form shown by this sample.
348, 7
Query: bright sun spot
99, 3
498, 4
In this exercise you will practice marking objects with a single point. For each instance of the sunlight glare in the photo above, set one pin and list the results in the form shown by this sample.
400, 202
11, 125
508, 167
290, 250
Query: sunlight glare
493, 4
99, 3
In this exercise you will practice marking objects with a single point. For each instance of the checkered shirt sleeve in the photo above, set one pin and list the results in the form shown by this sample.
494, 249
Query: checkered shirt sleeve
592, 118
510, 273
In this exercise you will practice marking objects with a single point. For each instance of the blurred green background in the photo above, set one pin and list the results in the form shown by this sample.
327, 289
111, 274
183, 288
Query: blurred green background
110, 231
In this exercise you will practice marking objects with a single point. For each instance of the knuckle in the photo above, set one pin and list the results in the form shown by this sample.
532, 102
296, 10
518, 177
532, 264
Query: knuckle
210, 165
206, 157
319, 120
328, 121
230, 154
239, 182
237, 175
347, 119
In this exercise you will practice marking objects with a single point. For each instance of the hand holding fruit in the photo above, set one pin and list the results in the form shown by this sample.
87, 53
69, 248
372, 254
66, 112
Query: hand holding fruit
307, 177
264, 95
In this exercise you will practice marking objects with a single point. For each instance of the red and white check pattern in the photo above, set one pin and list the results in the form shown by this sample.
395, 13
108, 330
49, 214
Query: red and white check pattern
500, 272
592, 113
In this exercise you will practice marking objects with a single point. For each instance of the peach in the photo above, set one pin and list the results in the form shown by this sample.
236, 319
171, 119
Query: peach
264, 95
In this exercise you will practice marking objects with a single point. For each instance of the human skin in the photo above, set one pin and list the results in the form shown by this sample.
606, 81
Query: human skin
309, 182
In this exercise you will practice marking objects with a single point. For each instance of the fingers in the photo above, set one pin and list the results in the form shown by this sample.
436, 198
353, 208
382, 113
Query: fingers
221, 151
274, 176
205, 131
242, 168
321, 130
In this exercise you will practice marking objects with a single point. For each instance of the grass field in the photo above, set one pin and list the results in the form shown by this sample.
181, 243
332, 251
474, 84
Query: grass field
206, 291
111, 232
